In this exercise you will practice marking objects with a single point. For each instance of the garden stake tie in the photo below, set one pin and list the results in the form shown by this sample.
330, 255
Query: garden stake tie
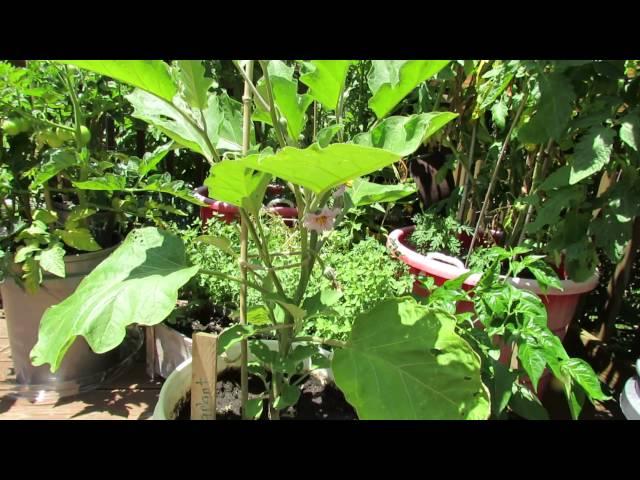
204, 376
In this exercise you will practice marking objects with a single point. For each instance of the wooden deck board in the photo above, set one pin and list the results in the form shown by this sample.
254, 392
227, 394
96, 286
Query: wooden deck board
131, 396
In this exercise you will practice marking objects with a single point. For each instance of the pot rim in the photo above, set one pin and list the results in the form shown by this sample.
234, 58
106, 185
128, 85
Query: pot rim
396, 243
175, 381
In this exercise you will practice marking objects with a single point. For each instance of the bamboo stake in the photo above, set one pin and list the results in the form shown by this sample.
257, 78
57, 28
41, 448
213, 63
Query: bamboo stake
244, 235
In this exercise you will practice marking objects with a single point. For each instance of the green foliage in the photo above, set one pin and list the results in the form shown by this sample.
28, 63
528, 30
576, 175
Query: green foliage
404, 361
138, 283
519, 318
434, 233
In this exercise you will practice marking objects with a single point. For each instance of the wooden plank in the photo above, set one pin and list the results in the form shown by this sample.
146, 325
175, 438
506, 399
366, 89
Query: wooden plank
203, 378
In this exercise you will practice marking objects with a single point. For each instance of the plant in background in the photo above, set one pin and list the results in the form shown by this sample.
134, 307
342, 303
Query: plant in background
438, 234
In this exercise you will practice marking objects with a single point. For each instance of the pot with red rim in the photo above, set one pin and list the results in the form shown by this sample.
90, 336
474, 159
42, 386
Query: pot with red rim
228, 212
560, 304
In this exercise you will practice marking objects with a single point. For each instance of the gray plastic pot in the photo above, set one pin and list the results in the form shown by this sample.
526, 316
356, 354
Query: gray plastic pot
630, 397
81, 369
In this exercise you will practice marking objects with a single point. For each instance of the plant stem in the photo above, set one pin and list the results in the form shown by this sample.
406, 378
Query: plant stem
469, 179
78, 120
254, 90
535, 182
244, 242
494, 177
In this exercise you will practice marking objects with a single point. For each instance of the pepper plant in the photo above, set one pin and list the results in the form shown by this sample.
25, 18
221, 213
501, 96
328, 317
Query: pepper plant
402, 360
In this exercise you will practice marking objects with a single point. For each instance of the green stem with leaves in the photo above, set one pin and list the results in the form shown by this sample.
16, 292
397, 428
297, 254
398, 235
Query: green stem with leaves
494, 176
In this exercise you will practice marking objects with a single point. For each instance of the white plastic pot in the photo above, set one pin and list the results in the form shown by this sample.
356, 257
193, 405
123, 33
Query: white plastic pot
178, 384
630, 397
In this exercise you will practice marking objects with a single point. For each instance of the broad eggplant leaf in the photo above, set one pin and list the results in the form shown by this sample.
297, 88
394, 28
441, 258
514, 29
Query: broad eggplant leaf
192, 84
392, 80
403, 135
137, 283
363, 192
320, 169
326, 81
152, 76
230, 135
592, 153
285, 95
232, 182
178, 123
405, 361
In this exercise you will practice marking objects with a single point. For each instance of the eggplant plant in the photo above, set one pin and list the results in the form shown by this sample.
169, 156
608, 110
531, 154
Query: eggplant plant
403, 360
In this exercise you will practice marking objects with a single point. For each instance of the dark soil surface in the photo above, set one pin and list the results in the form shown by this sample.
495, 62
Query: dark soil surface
199, 316
318, 401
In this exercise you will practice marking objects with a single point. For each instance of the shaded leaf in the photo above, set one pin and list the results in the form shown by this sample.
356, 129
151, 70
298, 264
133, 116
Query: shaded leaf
405, 361
152, 76
137, 283
392, 80
403, 135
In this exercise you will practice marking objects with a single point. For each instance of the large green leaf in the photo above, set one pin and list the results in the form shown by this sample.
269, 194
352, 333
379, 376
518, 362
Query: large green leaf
392, 80
553, 113
405, 361
193, 85
230, 134
152, 76
403, 135
177, 123
365, 193
320, 169
326, 81
138, 283
592, 153
232, 182
285, 95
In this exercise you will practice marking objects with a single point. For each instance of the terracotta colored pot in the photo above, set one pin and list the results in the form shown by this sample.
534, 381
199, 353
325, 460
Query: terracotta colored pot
561, 305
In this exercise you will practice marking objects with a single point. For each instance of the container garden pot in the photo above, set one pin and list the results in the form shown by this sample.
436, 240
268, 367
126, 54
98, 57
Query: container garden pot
81, 369
630, 397
172, 348
229, 213
561, 305
177, 387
